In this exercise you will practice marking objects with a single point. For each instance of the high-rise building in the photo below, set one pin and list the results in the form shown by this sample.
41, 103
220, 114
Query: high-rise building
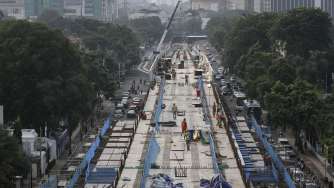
73, 8
284, 5
13, 8
34, 8
238, 4
326, 5
212, 5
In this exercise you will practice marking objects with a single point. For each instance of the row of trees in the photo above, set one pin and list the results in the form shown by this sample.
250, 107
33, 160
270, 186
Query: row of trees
45, 78
286, 61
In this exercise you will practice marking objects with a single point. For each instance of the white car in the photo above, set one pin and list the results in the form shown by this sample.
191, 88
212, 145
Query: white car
232, 79
131, 114
118, 114
220, 70
223, 82
218, 76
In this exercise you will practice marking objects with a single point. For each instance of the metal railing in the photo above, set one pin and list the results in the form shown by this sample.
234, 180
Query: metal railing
86, 161
153, 147
51, 182
208, 120
276, 160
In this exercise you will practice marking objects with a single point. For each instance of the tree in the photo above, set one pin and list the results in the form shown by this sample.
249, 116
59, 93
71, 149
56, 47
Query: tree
12, 160
42, 79
277, 103
248, 31
294, 106
303, 30
282, 71
149, 29
217, 28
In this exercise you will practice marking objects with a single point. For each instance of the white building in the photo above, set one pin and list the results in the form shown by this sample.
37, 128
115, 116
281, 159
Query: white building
236, 4
73, 8
32, 146
13, 8
212, 5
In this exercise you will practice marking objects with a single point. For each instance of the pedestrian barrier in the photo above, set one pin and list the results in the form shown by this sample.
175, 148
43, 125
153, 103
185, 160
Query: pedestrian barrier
153, 147
276, 160
208, 120
158, 108
86, 161
51, 182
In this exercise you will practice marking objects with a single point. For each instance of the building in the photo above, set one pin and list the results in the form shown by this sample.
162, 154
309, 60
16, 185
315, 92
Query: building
281, 5
13, 8
73, 8
34, 8
238, 4
285, 5
211, 5
326, 5
96, 9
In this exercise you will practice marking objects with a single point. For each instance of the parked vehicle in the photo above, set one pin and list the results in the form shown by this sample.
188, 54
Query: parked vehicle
118, 114
131, 114
220, 70
120, 106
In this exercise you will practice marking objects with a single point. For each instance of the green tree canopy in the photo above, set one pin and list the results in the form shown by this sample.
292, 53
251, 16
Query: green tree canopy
149, 29
281, 70
303, 30
246, 32
42, 78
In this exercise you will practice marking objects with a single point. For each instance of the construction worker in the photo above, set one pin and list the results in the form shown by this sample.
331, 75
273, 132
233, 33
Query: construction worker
184, 126
214, 109
174, 110
186, 78
187, 139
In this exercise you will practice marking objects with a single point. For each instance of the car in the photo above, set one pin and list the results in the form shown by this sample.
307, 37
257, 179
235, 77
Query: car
220, 70
126, 95
232, 79
218, 76
125, 102
223, 82
133, 107
131, 114
225, 90
118, 114
120, 106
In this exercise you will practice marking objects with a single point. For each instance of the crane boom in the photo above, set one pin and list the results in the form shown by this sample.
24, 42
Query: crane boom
164, 34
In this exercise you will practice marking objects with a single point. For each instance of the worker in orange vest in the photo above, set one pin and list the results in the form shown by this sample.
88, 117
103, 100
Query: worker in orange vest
184, 126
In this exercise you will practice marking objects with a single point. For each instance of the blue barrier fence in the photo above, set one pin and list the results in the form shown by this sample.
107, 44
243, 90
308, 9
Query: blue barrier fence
276, 160
86, 161
151, 155
159, 105
153, 147
51, 182
208, 120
